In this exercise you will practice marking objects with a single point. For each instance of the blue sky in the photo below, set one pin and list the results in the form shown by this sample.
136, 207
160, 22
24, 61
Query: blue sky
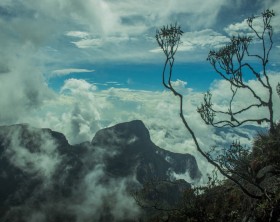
78, 66
116, 38
140, 76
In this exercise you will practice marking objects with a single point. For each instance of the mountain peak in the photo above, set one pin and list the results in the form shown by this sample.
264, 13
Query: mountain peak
128, 130
120, 160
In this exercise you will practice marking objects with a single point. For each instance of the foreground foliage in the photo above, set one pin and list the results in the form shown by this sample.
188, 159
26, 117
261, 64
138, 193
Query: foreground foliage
224, 201
229, 62
251, 189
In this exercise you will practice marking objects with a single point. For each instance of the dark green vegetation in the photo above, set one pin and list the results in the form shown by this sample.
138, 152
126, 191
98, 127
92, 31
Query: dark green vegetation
225, 201
251, 189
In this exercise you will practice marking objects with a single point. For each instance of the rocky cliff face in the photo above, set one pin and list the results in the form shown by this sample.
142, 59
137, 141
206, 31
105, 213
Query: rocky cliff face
44, 178
133, 152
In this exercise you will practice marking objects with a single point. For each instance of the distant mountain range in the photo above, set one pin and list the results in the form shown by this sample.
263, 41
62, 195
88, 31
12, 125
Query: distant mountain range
44, 178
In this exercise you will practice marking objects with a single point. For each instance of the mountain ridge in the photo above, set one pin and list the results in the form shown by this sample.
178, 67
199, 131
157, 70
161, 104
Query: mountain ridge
40, 170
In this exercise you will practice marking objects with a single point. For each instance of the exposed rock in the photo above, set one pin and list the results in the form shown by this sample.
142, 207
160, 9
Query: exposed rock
131, 149
40, 172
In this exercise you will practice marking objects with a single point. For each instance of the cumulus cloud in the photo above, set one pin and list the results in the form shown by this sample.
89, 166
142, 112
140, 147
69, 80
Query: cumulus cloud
101, 31
22, 90
221, 96
78, 86
114, 29
179, 84
82, 109
44, 38
22, 85
240, 28
107, 30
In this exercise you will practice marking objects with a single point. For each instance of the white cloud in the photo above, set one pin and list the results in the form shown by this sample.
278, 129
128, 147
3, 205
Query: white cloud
82, 109
199, 42
222, 94
93, 195
102, 25
179, 84
35, 39
204, 38
242, 28
78, 86
238, 28
106, 30
91, 42
22, 87
77, 34
111, 31
88, 43
90, 197
63, 72
275, 6
41, 163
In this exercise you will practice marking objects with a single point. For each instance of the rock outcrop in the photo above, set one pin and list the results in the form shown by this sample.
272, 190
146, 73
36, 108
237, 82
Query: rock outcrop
42, 176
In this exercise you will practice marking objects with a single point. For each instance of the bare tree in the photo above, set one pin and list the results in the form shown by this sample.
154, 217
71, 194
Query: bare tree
229, 63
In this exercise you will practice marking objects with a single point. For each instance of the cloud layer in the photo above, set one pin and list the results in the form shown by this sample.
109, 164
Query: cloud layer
52, 183
42, 39
103, 30
81, 109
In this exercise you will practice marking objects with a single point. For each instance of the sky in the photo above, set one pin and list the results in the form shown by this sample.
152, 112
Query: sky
79, 66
